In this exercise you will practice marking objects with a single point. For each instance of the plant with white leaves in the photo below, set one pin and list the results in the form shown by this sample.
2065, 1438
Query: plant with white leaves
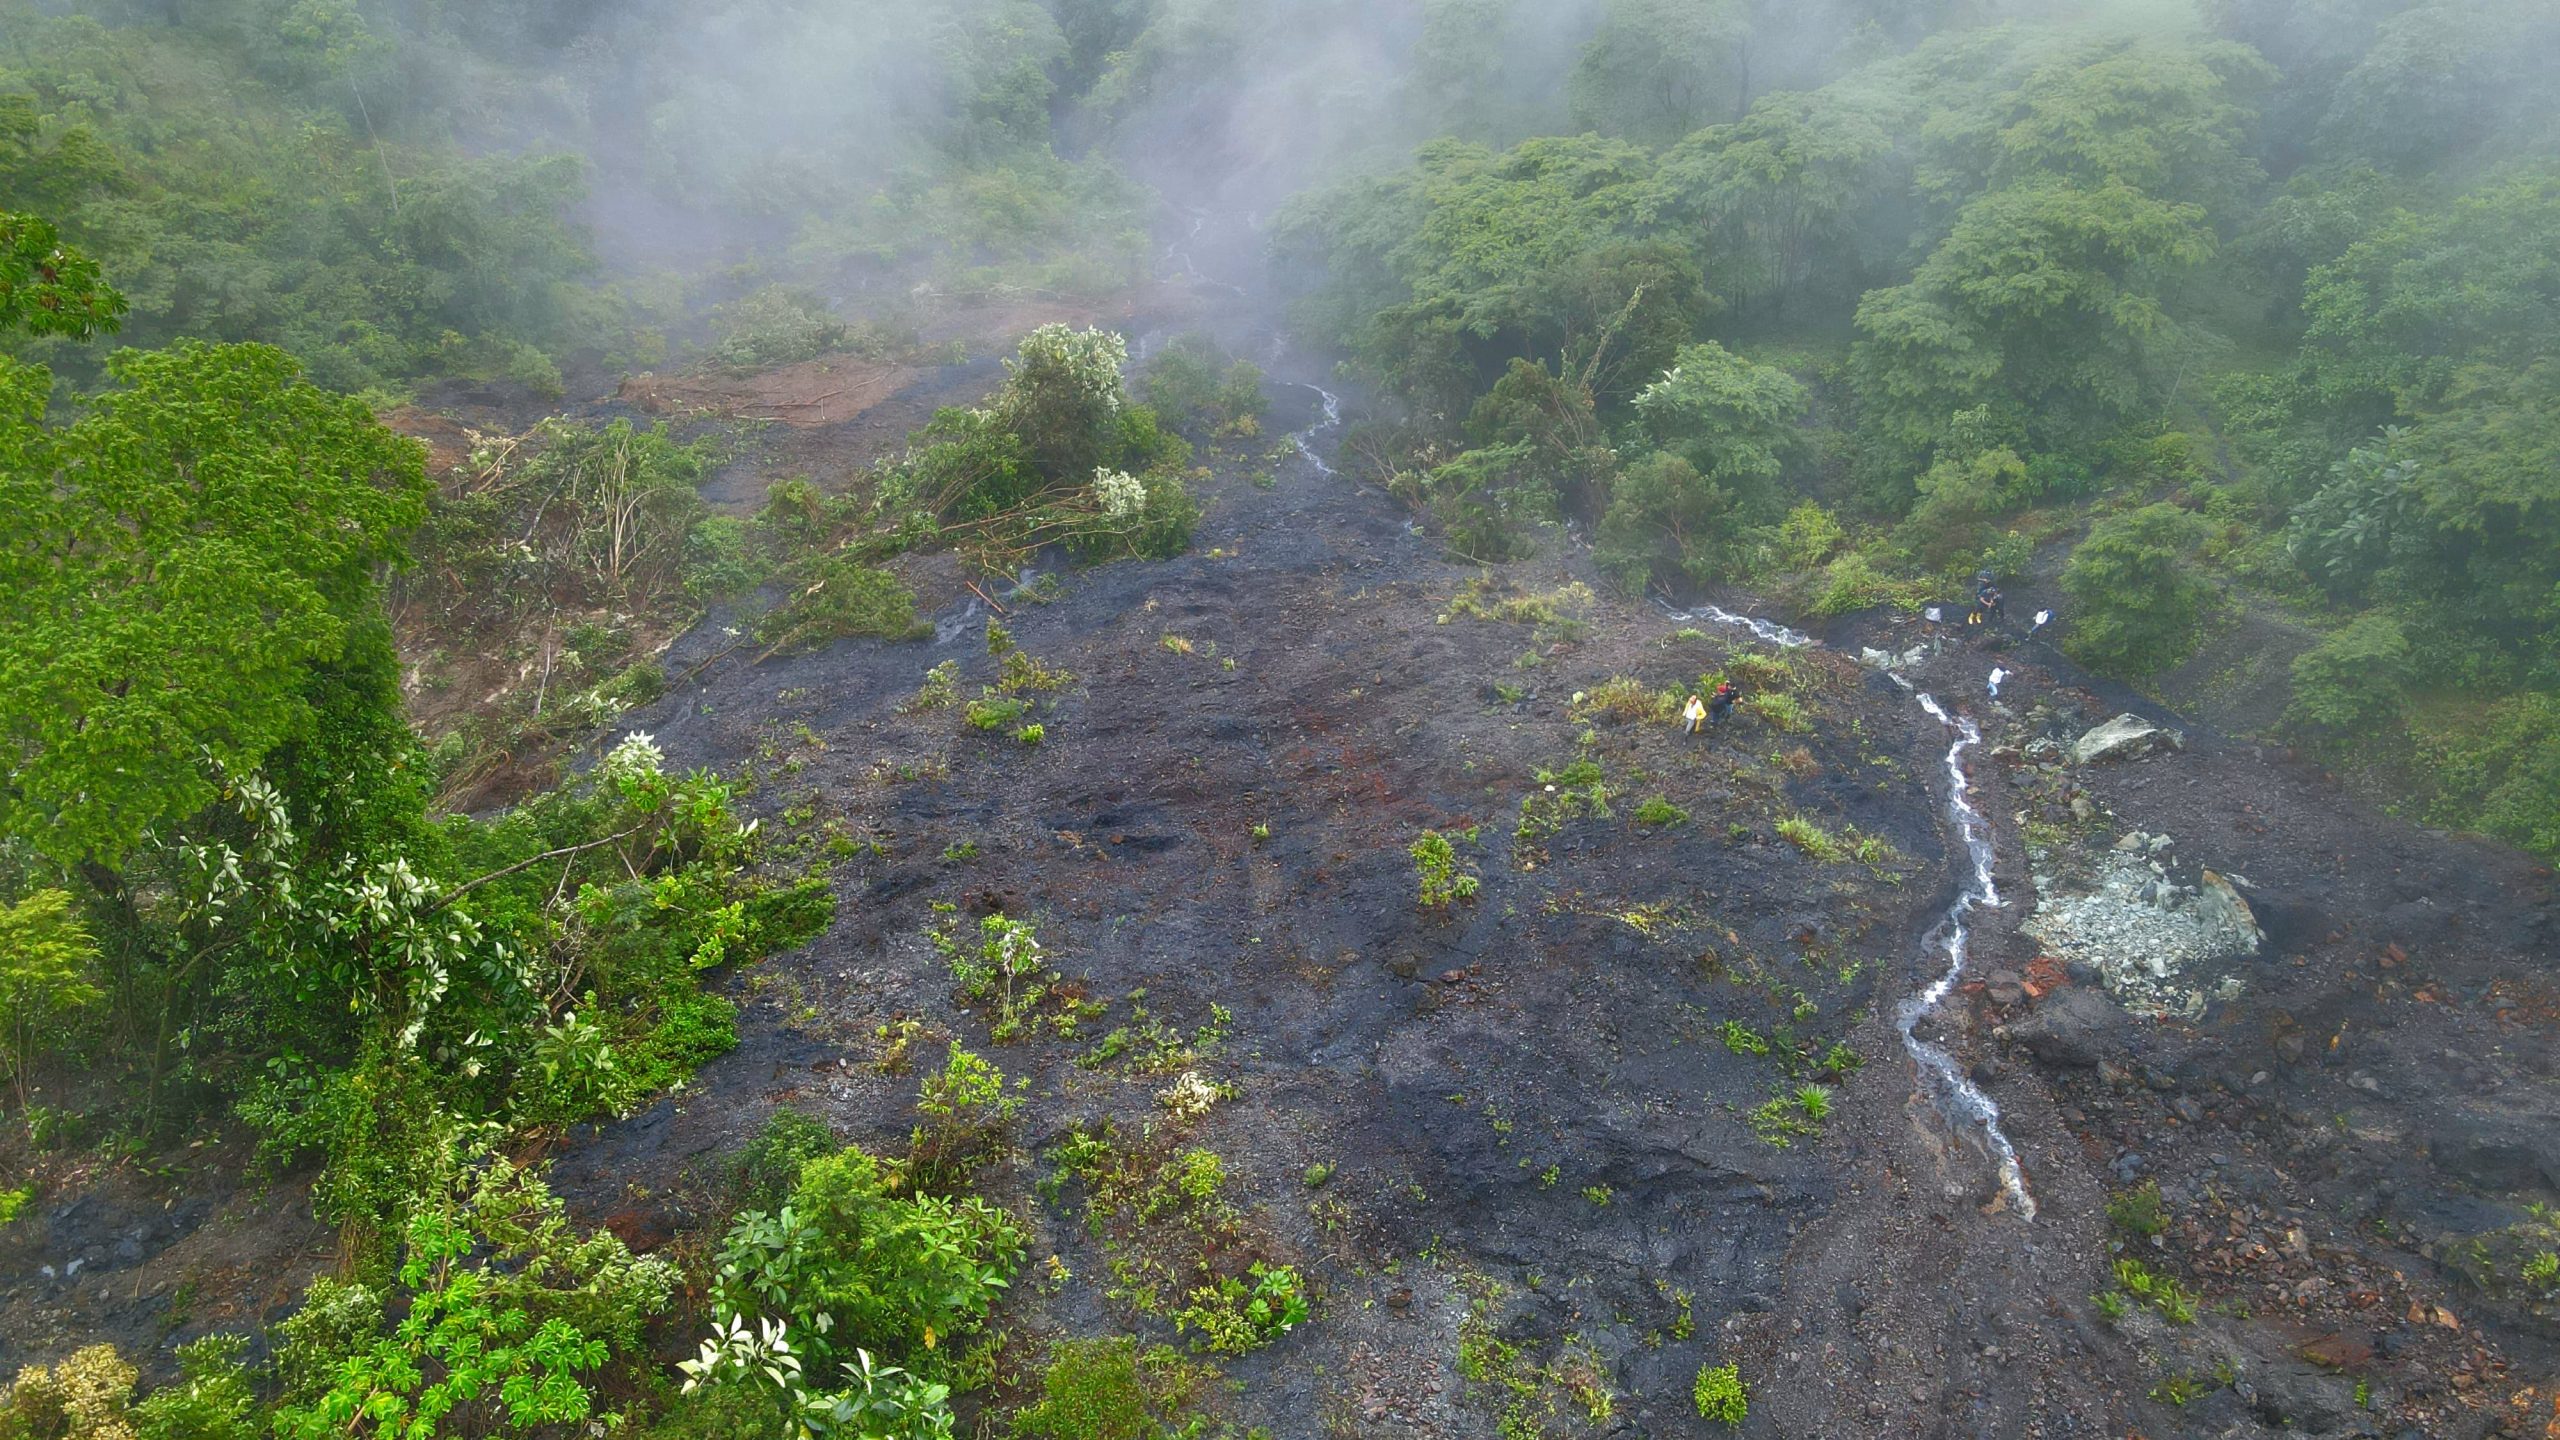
636, 770
876, 1402
1063, 395
1118, 495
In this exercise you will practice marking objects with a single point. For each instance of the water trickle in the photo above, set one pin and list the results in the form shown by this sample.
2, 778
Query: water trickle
1950, 1092
1769, 631
1327, 421
1957, 1098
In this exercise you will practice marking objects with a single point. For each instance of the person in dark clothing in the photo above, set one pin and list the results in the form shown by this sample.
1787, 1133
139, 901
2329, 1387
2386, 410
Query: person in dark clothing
1986, 601
1722, 705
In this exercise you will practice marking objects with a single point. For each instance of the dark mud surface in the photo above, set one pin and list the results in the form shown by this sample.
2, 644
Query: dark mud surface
1547, 1201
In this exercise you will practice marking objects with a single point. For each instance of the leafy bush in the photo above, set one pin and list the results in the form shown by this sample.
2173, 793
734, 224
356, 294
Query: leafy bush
46, 964
721, 561
83, 1398
1186, 385
778, 325
214, 1398
2352, 682
1063, 395
1809, 536
1233, 1319
1812, 839
994, 713
1720, 1394
1666, 522
1778, 710
2138, 1212
764, 1170
967, 1118
2138, 1284
2136, 600
503, 1311
852, 1264
1111, 1389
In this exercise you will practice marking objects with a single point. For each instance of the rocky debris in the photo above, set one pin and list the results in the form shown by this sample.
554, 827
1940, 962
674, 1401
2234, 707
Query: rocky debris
1890, 661
2131, 920
2126, 737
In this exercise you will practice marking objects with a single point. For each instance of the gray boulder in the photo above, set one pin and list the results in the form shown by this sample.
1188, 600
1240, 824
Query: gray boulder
2073, 1027
2126, 737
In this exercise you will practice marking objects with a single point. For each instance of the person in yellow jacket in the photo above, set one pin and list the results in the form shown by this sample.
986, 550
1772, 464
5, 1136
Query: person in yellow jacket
1695, 714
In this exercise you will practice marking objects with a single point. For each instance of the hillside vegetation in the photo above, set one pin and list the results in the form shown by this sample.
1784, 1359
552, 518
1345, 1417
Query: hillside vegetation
2233, 330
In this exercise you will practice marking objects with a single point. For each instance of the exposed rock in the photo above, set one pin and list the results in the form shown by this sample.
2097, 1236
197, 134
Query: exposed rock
2144, 933
2499, 1152
2126, 737
1889, 660
2072, 1027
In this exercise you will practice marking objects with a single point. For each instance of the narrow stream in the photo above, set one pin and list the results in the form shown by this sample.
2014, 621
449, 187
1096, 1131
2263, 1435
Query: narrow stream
1958, 1100
1328, 419
1952, 1093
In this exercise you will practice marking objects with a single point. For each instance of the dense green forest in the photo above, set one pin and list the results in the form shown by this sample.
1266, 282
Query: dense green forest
2235, 327
2248, 314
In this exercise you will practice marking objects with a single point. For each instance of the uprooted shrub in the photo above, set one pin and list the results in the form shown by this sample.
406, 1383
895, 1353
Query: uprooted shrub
842, 597
1060, 455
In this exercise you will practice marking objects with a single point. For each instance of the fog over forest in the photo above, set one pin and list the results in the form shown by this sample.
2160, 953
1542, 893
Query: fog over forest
1110, 719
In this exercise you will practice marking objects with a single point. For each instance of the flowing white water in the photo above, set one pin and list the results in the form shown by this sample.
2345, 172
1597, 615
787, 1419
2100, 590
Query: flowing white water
1768, 631
1955, 1097
1330, 419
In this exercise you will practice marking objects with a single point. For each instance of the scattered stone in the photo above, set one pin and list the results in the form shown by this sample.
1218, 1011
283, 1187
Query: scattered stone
2005, 987
2126, 737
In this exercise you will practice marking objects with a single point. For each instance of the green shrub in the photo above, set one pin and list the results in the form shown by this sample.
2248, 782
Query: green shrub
1780, 711
642, 683
1812, 839
1112, 1389
213, 1399
2353, 681
2136, 601
842, 597
778, 325
1809, 536
1032, 734
1438, 877
501, 1302
83, 1398
2138, 1212
851, 1261
2137, 1284
967, 1116
994, 713
1658, 811
764, 1170
1233, 1318
1720, 1394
